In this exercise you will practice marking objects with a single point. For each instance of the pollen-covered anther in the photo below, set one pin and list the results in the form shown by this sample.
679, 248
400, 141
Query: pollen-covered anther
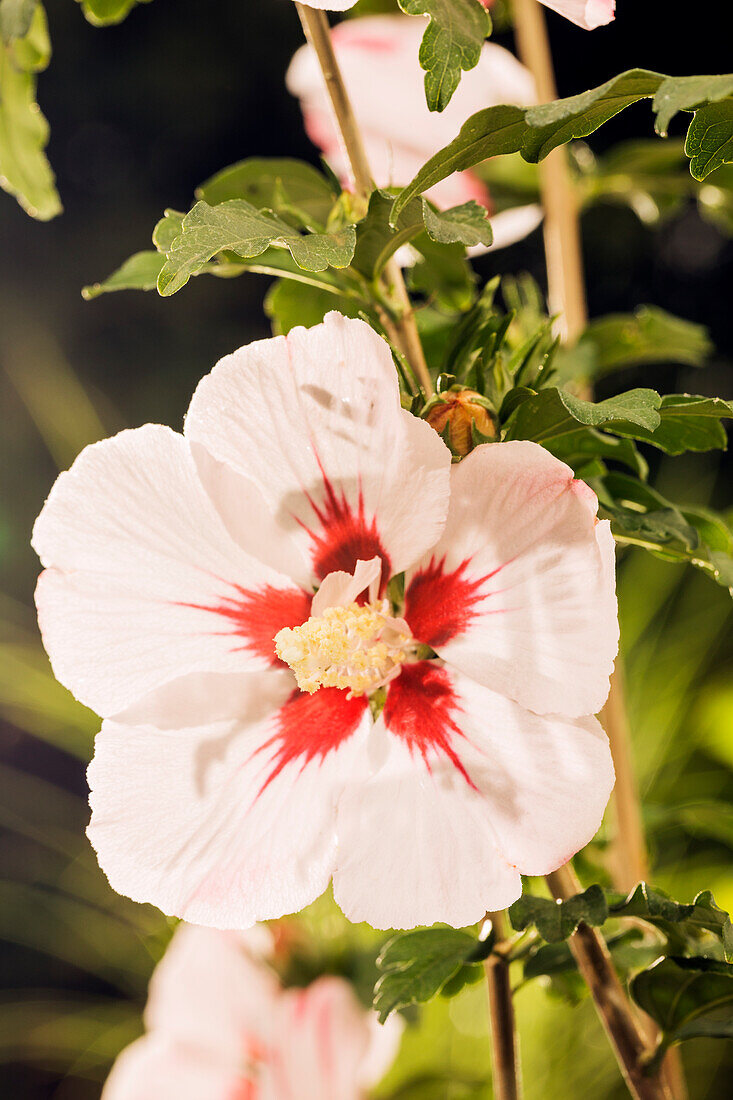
360, 648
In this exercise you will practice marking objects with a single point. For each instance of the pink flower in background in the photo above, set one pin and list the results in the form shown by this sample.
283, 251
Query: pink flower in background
219, 1026
331, 5
378, 59
179, 586
587, 14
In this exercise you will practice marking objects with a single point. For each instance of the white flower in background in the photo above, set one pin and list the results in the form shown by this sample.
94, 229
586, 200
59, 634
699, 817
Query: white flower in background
588, 14
378, 60
219, 1026
178, 566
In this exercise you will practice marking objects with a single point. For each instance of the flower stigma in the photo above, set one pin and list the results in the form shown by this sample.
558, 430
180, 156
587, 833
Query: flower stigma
359, 647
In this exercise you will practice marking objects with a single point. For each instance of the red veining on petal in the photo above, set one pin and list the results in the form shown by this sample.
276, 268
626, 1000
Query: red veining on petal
257, 614
440, 605
345, 536
244, 1090
311, 726
420, 709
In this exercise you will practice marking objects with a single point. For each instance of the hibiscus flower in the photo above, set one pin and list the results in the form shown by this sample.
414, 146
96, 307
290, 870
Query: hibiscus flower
219, 1026
378, 61
422, 750
587, 14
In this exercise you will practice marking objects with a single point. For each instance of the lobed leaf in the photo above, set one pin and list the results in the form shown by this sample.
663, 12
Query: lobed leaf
556, 920
687, 997
377, 240
283, 185
465, 224
553, 413
239, 227
416, 965
657, 907
686, 423
709, 142
536, 131
451, 44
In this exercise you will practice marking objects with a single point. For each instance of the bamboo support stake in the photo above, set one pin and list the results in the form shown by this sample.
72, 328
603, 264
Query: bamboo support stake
566, 292
505, 1074
402, 330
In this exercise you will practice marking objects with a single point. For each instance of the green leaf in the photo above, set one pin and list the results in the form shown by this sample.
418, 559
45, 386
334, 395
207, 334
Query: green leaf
489, 133
709, 141
641, 515
686, 423
167, 229
685, 93
687, 996
16, 17
289, 304
648, 335
24, 169
452, 43
377, 240
553, 124
239, 227
658, 908
580, 448
716, 544
536, 131
102, 13
556, 920
280, 184
465, 224
443, 274
552, 413
416, 965
140, 272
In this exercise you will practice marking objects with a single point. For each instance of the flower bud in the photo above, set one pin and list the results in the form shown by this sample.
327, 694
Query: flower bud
459, 416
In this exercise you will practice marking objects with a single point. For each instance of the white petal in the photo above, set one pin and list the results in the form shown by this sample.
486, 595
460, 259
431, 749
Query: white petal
519, 593
331, 5
315, 419
546, 780
156, 1068
211, 992
250, 519
340, 589
396, 139
416, 842
144, 583
232, 822
587, 14
323, 1040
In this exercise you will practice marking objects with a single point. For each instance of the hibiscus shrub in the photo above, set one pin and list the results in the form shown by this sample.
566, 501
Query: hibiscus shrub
352, 627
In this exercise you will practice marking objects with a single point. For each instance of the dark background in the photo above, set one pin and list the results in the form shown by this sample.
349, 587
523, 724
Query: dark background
139, 115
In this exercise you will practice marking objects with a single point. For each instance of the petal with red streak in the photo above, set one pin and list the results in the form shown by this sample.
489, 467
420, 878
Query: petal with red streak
229, 822
314, 419
141, 574
519, 593
416, 842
